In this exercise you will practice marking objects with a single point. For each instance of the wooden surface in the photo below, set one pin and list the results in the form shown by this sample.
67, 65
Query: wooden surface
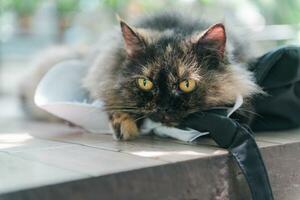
53, 161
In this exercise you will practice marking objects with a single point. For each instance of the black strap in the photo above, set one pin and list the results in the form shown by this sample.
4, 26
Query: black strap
246, 153
239, 141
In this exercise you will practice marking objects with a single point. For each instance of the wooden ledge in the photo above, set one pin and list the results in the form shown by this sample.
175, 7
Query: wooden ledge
52, 161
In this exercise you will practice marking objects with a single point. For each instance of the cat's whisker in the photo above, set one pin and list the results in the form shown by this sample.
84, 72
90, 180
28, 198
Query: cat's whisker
142, 117
194, 111
121, 107
134, 111
127, 110
115, 110
249, 111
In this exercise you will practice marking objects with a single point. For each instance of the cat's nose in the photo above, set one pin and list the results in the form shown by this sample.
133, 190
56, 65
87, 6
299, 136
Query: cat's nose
164, 109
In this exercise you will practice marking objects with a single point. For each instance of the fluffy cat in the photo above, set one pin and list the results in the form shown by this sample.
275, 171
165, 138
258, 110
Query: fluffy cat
165, 67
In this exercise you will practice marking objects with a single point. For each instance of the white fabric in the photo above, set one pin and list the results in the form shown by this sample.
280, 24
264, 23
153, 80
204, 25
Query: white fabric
188, 135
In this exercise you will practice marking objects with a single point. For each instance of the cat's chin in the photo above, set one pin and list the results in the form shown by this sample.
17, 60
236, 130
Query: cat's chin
170, 124
166, 121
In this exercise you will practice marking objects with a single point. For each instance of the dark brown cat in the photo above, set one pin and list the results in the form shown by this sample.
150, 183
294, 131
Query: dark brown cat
165, 67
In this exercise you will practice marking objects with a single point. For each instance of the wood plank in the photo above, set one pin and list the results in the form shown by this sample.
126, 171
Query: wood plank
162, 149
165, 149
279, 137
88, 160
19, 174
22, 141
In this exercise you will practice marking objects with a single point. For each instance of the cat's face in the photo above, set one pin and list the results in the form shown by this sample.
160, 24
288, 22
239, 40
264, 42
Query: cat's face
170, 77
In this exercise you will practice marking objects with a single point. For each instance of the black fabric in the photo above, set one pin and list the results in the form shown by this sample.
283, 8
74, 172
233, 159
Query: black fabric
278, 73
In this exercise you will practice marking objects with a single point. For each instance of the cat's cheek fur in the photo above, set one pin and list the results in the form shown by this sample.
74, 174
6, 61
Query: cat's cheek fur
124, 126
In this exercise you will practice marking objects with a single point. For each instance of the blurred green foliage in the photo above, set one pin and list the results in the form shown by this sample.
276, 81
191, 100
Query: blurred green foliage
280, 12
66, 6
115, 4
23, 7
275, 11
27, 7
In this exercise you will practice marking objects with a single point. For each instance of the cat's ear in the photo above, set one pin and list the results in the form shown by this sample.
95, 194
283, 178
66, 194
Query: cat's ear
214, 36
134, 43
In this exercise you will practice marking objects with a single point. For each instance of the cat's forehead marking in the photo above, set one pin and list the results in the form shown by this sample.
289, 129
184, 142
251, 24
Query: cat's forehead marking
152, 36
184, 46
179, 66
146, 71
169, 48
181, 69
172, 78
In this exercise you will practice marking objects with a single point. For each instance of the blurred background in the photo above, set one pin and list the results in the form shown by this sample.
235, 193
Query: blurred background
27, 27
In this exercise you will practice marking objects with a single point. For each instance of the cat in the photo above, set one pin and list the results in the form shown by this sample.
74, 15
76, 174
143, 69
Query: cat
165, 67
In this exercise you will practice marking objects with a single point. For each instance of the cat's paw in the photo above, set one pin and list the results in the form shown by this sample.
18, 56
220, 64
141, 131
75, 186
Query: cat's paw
124, 126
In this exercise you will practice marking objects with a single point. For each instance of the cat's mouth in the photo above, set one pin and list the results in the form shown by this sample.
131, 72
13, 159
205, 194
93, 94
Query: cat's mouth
165, 119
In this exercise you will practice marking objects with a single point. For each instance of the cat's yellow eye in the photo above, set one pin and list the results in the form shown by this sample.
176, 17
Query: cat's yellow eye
144, 84
187, 85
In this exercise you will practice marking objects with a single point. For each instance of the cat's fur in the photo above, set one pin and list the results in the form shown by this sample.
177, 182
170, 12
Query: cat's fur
166, 49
